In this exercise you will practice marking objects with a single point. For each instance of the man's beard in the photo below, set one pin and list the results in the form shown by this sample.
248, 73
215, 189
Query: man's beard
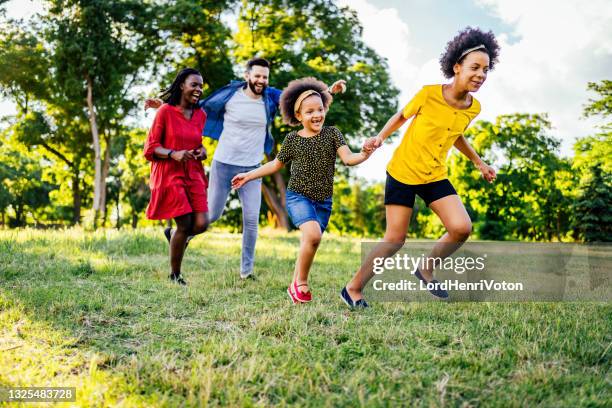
254, 90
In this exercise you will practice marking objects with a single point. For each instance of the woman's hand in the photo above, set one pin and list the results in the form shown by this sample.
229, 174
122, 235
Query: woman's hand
240, 180
487, 171
154, 103
200, 153
182, 155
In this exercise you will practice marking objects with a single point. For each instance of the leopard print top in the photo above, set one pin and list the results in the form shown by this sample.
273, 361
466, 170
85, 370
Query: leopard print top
313, 162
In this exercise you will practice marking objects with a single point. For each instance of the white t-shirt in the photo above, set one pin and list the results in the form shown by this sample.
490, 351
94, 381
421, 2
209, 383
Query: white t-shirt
244, 131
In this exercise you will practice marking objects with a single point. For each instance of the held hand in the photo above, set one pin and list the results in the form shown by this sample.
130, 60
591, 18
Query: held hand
239, 180
488, 172
153, 103
367, 153
367, 150
372, 143
183, 155
200, 153
338, 87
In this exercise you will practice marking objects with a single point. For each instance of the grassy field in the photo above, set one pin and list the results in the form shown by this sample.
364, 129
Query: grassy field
96, 311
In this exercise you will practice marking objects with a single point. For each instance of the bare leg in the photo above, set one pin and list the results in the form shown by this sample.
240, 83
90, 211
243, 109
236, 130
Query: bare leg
309, 243
398, 220
200, 223
458, 226
178, 240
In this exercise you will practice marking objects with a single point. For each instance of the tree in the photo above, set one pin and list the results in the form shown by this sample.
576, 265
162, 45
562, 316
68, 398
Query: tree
532, 194
21, 181
198, 38
43, 120
101, 47
315, 38
593, 218
593, 164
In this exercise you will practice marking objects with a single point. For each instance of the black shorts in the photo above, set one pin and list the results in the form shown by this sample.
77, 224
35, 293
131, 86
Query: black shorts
399, 193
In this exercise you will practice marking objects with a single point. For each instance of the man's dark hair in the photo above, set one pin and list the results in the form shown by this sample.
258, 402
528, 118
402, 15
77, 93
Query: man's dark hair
172, 94
464, 40
261, 62
293, 91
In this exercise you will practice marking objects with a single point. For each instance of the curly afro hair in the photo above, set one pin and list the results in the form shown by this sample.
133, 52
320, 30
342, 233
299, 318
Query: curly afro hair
292, 92
468, 38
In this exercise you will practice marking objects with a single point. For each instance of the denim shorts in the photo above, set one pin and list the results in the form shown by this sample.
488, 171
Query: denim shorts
302, 209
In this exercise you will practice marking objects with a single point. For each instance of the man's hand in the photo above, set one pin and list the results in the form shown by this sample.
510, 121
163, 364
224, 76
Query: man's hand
338, 87
154, 103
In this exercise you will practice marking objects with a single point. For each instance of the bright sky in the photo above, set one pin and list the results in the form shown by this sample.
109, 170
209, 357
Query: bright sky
550, 50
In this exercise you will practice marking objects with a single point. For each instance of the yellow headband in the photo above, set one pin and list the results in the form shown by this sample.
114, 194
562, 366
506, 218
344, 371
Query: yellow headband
300, 99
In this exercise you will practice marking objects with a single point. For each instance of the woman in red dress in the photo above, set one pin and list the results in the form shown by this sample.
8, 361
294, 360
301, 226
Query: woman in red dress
174, 148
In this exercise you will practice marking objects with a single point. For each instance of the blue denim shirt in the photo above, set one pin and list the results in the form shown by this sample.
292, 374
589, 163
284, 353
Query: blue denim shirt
214, 105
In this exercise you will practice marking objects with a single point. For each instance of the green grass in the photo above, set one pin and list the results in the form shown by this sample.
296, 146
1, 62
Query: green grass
96, 311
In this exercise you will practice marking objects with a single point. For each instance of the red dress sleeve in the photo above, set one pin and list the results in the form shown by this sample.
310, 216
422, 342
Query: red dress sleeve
155, 134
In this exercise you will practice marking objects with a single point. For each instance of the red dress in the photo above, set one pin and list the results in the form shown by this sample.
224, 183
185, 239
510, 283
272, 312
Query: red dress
177, 188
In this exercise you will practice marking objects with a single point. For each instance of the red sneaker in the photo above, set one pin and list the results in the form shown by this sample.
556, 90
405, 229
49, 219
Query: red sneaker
303, 297
291, 295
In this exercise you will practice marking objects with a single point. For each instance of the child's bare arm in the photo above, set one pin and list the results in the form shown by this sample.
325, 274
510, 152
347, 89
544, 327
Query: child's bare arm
395, 122
351, 159
269, 168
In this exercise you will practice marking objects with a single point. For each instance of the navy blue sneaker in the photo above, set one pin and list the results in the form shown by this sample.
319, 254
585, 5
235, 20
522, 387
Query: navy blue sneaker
436, 291
346, 298
178, 279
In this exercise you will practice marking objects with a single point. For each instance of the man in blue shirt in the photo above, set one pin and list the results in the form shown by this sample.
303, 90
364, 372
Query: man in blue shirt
239, 116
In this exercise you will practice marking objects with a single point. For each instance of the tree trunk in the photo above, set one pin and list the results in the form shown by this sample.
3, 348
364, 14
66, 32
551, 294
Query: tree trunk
134, 219
76, 197
97, 204
279, 218
275, 199
18, 215
118, 223
105, 169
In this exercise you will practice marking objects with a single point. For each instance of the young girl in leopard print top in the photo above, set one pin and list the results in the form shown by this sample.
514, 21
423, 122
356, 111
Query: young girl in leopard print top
312, 152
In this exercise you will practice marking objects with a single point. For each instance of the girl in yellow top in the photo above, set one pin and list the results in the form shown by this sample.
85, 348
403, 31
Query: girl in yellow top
440, 113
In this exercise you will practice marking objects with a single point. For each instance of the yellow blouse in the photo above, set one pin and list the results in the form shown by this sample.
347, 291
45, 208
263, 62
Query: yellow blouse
421, 156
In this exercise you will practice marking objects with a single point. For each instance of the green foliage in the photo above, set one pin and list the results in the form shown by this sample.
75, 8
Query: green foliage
593, 164
109, 42
21, 183
318, 38
197, 38
603, 105
358, 208
532, 195
592, 214
134, 174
